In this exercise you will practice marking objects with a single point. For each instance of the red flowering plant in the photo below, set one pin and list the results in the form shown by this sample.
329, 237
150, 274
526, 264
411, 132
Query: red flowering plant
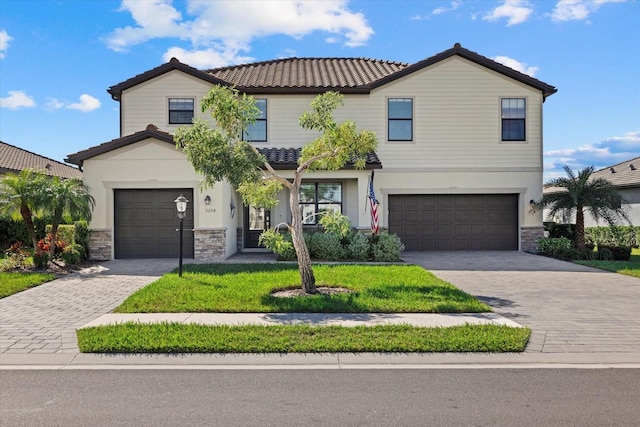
44, 245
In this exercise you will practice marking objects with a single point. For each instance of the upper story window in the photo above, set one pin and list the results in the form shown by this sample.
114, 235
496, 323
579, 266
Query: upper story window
514, 113
257, 132
400, 114
180, 111
319, 197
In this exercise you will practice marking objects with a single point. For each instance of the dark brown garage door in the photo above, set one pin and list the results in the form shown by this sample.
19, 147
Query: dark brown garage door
455, 222
146, 223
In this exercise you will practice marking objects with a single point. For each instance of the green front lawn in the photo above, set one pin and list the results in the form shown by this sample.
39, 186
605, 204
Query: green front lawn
234, 288
630, 268
14, 282
193, 338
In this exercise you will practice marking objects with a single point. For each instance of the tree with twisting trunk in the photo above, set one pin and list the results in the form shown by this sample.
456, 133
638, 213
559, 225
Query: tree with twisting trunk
220, 153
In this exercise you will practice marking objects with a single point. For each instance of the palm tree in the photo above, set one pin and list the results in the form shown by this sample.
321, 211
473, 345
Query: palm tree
598, 196
22, 193
70, 196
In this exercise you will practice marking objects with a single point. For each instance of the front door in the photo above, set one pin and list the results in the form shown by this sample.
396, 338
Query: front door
256, 220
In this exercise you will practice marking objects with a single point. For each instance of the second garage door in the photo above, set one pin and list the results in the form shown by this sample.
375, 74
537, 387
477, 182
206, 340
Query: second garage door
453, 222
146, 223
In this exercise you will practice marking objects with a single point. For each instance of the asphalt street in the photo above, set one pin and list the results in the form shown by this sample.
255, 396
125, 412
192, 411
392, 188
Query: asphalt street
438, 397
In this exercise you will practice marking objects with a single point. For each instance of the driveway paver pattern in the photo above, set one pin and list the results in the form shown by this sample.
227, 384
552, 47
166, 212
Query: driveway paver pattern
44, 319
570, 308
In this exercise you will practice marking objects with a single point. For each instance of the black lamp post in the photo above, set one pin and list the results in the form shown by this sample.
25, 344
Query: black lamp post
181, 206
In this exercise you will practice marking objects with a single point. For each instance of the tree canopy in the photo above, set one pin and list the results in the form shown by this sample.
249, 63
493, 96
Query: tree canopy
575, 194
219, 153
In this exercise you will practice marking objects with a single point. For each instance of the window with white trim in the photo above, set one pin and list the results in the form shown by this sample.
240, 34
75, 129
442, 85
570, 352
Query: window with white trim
514, 112
400, 119
181, 111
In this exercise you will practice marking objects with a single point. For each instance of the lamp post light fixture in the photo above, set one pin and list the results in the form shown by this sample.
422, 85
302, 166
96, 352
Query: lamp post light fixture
181, 206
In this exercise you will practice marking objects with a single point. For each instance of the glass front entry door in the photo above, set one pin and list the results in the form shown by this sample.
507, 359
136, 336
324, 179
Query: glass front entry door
256, 220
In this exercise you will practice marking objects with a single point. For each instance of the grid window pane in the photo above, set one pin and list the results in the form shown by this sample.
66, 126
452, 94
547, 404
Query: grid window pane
400, 122
513, 119
316, 198
181, 110
257, 132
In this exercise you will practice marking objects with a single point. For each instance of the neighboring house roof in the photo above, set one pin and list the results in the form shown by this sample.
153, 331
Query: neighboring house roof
278, 158
14, 159
287, 159
317, 75
623, 175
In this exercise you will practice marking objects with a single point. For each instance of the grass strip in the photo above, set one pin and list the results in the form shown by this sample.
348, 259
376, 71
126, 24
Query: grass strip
14, 282
194, 338
629, 268
247, 288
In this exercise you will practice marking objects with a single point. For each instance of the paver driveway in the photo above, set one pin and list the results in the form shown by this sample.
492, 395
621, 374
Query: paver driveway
44, 319
570, 308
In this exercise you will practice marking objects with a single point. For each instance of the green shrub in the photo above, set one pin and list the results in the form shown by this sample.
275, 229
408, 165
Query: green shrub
615, 253
559, 230
82, 236
325, 246
386, 248
279, 243
40, 259
66, 233
335, 223
614, 236
556, 247
72, 254
359, 247
12, 231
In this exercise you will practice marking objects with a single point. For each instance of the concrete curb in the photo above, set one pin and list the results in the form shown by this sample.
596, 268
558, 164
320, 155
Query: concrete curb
322, 361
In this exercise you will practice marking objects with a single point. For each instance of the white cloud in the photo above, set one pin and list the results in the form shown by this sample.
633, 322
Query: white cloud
53, 104
516, 65
205, 58
5, 38
17, 99
441, 10
605, 153
87, 103
516, 12
224, 29
577, 10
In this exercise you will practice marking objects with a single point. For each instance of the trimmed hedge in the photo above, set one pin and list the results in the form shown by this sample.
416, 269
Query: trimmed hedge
614, 236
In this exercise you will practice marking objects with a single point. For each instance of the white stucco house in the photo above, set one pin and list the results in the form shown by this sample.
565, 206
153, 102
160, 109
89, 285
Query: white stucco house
460, 154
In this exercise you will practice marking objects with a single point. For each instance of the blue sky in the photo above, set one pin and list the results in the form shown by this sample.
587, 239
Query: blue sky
58, 57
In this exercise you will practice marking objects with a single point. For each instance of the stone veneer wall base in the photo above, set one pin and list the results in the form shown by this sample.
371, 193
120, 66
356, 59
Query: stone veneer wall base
209, 245
529, 237
100, 245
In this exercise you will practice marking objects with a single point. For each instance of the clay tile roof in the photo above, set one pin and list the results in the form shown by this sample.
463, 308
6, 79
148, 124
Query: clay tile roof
14, 159
311, 73
624, 174
150, 132
287, 158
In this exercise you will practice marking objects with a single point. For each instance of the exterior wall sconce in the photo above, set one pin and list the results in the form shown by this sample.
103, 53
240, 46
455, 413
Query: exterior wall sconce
207, 200
233, 208
532, 204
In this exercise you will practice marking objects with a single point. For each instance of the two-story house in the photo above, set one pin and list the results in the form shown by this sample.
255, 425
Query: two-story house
460, 154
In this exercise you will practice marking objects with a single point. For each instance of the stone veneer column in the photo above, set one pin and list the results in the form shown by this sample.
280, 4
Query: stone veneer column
529, 237
209, 245
100, 244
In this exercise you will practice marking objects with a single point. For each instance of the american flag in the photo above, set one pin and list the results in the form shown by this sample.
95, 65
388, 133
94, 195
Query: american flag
374, 207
